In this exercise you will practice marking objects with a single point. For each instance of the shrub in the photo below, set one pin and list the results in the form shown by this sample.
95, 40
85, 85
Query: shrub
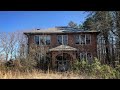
97, 69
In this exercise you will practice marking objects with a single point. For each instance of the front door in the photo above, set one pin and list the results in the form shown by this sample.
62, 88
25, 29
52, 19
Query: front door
63, 62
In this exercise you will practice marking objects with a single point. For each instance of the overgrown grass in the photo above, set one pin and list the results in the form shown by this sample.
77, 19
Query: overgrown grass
36, 74
79, 70
97, 69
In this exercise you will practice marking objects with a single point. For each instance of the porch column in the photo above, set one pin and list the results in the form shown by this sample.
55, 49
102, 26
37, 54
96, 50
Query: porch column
53, 60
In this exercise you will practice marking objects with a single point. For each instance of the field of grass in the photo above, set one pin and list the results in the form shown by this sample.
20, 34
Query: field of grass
41, 75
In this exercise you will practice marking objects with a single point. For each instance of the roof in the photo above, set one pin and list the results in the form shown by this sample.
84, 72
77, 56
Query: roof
57, 30
63, 47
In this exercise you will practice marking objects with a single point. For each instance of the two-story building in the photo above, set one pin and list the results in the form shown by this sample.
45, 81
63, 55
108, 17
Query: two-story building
64, 45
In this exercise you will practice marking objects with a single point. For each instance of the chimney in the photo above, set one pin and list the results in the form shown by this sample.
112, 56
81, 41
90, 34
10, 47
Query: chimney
37, 29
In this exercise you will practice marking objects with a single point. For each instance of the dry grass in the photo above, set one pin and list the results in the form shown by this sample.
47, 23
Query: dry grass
41, 75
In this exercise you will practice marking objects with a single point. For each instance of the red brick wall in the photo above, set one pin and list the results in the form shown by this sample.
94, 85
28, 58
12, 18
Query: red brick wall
71, 42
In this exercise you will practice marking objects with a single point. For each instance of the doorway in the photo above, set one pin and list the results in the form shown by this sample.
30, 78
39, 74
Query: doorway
63, 61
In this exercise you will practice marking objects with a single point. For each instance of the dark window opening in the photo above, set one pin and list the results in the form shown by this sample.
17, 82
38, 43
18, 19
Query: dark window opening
37, 40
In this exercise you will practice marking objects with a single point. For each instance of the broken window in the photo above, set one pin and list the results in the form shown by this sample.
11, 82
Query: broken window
37, 40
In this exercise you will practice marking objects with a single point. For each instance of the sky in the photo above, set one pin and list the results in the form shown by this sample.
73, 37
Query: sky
11, 21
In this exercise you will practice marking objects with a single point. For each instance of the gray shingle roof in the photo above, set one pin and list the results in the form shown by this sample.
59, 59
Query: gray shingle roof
55, 30
63, 47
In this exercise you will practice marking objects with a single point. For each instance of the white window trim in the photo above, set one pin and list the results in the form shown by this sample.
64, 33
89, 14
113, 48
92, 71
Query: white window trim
57, 38
75, 39
34, 39
40, 38
85, 55
62, 39
80, 39
50, 39
67, 39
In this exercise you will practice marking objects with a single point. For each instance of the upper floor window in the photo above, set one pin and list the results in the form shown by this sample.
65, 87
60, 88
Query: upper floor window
47, 40
83, 39
77, 41
59, 39
37, 40
62, 39
42, 39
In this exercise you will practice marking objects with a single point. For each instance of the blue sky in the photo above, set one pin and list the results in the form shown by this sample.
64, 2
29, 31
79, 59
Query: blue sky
25, 20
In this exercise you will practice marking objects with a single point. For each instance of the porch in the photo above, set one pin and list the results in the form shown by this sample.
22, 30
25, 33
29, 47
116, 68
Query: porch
62, 57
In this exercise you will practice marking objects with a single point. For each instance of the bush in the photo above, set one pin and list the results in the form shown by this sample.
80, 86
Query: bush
96, 69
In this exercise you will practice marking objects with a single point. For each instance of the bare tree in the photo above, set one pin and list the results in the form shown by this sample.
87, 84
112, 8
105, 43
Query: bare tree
4, 44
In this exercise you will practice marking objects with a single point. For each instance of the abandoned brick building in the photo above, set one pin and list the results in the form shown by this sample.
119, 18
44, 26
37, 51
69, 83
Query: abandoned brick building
64, 45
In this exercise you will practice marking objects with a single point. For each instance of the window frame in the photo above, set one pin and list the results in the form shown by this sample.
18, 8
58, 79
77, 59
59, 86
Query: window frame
89, 38
85, 56
44, 38
62, 43
80, 40
35, 40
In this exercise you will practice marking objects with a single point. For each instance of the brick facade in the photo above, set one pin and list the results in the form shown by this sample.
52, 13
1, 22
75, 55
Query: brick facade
92, 48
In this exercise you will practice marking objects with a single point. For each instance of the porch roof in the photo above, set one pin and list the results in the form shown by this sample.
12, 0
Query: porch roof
63, 47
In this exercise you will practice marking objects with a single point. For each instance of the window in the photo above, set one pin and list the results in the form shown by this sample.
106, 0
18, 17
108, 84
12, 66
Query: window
88, 38
59, 39
42, 40
48, 40
86, 56
37, 40
65, 39
83, 56
89, 56
77, 39
62, 39
83, 39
